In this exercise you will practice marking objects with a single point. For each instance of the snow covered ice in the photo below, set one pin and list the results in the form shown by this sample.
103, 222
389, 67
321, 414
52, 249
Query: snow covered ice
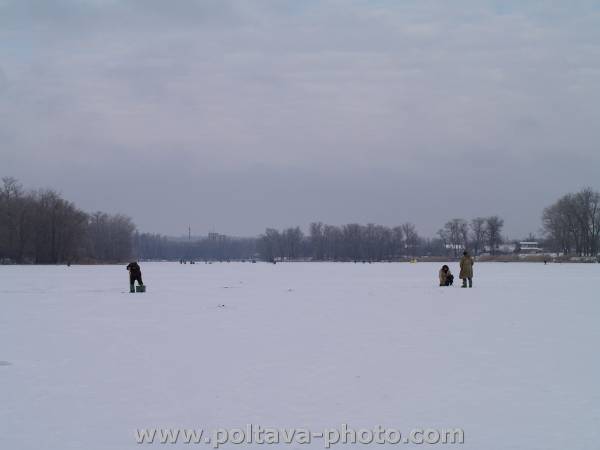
513, 361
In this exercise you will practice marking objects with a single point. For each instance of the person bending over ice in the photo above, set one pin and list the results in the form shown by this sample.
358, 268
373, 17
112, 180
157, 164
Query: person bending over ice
135, 274
446, 277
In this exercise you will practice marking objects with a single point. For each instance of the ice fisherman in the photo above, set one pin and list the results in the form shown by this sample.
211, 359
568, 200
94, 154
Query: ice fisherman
466, 269
446, 277
135, 274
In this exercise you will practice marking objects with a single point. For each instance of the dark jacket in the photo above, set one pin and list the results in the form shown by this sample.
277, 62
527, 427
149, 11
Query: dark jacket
134, 269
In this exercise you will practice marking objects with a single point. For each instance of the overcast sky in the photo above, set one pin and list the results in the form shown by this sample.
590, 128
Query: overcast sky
238, 115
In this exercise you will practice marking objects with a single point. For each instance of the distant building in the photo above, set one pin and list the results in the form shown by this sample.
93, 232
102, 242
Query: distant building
507, 247
454, 246
530, 247
216, 237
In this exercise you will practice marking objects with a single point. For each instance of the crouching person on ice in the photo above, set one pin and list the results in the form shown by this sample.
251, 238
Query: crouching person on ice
135, 274
446, 277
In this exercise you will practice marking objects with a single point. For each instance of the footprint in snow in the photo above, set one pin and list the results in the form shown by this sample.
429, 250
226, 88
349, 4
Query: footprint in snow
5, 363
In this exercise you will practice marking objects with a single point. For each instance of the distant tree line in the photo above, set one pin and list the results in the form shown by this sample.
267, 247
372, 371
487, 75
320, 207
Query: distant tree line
353, 241
43, 228
572, 223
371, 242
157, 247
478, 235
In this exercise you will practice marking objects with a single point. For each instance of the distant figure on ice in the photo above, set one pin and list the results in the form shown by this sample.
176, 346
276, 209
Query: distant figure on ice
466, 269
135, 274
446, 277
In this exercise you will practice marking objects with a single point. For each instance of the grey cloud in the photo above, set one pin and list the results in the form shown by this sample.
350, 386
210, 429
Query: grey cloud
283, 112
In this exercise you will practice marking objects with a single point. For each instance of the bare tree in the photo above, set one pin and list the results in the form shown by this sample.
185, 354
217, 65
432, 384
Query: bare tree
455, 235
587, 210
110, 237
478, 234
354, 246
397, 241
494, 226
333, 242
11, 205
270, 244
411, 238
291, 242
572, 224
317, 240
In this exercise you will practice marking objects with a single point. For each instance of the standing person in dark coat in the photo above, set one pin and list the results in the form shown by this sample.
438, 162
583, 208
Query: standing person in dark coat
135, 274
466, 269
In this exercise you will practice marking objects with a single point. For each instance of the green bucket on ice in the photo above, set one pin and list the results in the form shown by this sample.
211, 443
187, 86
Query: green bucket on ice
141, 288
